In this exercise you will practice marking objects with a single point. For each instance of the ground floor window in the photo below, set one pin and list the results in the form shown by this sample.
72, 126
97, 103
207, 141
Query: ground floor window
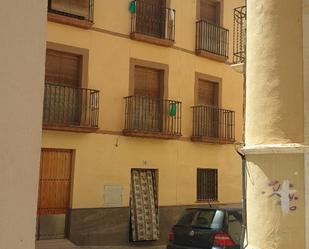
144, 212
207, 184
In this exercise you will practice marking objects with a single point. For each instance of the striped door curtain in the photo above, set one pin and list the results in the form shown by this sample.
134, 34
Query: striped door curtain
144, 211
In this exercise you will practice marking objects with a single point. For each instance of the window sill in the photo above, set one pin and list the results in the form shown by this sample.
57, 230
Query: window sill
211, 140
70, 128
151, 39
145, 134
211, 56
207, 201
84, 24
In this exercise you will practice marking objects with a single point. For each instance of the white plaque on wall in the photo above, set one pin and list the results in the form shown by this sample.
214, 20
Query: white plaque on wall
112, 196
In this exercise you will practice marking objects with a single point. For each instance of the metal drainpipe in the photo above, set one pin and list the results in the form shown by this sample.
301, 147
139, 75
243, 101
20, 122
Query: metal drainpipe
243, 157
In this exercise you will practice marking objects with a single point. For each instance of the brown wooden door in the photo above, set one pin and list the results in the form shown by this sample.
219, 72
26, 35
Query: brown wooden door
54, 198
150, 17
210, 11
208, 96
148, 89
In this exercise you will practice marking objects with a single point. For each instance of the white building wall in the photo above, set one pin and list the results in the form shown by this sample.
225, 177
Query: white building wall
22, 50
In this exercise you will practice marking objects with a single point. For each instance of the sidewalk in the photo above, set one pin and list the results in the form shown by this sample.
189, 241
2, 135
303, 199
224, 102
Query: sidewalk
65, 244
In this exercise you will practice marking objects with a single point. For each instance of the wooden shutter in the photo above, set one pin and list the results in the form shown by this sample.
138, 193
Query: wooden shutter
148, 82
208, 93
210, 11
55, 181
75, 7
63, 68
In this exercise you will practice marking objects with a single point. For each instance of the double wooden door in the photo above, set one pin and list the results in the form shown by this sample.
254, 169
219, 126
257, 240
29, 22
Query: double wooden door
54, 197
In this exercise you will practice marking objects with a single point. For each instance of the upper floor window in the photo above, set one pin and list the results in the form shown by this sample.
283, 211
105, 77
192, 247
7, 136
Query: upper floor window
63, 68
152, 21
212, 40
68, 105
210, 11
147, 111
208, 93
74, 12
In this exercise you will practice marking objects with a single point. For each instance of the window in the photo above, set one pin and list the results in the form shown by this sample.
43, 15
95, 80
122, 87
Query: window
80, 9
235, 221
207, 184
209, 116
187, 217
67, 101
63, 68
208, 93
210, 11
212, 219
148, 82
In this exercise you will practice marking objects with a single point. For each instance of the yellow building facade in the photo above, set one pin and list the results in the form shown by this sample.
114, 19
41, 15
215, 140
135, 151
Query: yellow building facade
117, 126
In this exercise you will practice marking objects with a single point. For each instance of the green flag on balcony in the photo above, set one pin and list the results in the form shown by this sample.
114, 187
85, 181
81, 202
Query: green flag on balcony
173, 110
132, 7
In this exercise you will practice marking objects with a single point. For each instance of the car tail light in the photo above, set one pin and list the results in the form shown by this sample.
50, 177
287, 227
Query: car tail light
223, 240
171, 235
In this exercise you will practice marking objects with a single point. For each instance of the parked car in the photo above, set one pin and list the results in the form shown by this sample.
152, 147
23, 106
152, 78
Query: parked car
207, 228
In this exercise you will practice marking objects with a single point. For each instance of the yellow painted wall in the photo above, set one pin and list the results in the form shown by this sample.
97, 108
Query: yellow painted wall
98, 160
107, 160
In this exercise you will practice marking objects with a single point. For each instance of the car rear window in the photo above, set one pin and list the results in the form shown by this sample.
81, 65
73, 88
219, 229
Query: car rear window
187, 217
212, 219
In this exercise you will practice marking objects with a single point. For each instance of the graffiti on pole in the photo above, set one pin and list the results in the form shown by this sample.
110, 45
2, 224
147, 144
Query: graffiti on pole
285, 193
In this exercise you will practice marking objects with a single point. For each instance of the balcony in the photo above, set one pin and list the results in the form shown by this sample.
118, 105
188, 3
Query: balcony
153, 23
152, 117
239, 38
77, 13
70, 108
213, 125
212, 41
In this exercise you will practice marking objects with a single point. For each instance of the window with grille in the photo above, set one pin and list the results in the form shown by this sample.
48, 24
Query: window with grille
207, 184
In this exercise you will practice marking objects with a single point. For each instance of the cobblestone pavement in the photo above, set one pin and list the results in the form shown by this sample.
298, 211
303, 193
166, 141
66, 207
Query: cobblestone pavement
65, 244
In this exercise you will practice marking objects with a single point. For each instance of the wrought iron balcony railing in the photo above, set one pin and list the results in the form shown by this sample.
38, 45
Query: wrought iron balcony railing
212, 38
213, 124
150, 115
69, 106
239, 35
153, 20
78, 9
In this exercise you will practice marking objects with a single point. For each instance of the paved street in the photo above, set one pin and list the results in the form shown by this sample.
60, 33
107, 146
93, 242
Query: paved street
65, 244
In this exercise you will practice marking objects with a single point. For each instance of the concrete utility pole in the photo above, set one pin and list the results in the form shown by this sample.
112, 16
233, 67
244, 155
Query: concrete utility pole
274, 132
